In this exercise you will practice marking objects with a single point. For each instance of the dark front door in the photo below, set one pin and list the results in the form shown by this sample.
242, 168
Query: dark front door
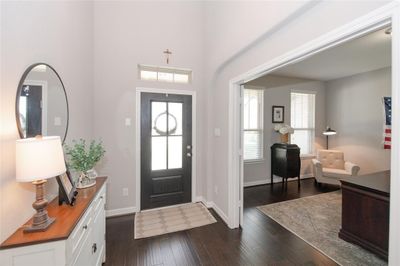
166, 149
33, 110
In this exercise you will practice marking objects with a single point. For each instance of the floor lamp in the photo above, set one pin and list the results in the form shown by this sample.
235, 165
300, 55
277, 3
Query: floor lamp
328, 132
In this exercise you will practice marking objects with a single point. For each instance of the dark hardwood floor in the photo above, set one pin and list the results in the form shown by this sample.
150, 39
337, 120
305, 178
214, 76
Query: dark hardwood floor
261, 241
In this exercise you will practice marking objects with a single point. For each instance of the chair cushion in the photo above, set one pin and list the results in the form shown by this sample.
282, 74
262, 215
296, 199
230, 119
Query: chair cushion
331, 159
335, 173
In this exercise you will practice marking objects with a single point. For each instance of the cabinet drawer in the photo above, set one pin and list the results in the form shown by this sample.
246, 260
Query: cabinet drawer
83, 255
80, 232
98, 203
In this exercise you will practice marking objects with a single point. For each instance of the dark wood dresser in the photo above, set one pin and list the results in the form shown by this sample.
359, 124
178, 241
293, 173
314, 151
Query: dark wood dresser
285, 161
365, 211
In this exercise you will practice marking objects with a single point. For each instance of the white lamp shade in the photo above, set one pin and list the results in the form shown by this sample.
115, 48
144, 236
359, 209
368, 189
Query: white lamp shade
39, 158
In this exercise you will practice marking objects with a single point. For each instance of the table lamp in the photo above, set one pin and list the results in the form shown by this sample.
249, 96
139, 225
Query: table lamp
328, 132
38, 159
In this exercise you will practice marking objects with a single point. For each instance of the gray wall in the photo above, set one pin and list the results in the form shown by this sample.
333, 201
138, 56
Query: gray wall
126, 34
259, 172
59, 34
354, 110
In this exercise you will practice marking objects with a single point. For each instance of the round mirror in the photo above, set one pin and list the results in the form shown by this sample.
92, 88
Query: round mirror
41, 106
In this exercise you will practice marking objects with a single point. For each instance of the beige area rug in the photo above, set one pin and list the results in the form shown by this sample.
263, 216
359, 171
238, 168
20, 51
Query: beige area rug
317, 220
173, 219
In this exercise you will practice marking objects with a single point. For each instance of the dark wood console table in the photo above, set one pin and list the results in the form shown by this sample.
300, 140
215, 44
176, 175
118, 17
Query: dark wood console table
285, 161
365, 211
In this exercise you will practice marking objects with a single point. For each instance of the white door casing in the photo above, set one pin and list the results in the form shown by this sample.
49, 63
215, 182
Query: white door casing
139, 90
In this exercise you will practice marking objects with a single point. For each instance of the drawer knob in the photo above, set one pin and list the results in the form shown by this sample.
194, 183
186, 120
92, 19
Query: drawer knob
94, 248
101, 197
85, 226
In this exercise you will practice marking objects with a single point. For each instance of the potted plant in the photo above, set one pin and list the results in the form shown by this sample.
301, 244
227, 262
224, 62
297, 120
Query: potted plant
83, 159
284, 130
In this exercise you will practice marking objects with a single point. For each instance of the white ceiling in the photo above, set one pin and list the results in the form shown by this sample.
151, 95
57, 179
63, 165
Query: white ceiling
364, 54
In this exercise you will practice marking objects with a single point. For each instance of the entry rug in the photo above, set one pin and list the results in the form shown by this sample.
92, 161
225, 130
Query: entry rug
173, 219
317, 220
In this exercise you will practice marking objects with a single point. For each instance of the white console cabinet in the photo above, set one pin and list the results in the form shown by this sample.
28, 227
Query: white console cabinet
77, 238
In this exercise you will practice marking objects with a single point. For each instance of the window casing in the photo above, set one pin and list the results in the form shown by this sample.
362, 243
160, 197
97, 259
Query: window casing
253, 128
165, 74
302, 120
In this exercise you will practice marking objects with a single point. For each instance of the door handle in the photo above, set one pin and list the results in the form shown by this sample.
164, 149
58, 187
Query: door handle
188, 154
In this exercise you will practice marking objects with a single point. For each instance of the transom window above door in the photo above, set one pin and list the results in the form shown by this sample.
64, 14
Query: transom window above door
165, 74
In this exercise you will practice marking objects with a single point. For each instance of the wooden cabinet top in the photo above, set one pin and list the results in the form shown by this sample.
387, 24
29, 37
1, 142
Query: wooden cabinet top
66, 216
376, 182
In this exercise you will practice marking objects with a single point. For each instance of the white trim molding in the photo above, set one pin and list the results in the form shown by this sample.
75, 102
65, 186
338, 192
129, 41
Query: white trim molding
377, 19
139, 90
120, 211
212, 205
221, 214
208, 204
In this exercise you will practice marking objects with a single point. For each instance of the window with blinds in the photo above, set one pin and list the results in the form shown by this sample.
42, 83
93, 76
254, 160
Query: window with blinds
253, 102
302, 120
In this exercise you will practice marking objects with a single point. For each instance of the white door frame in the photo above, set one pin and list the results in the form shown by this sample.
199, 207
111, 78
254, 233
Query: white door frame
139, 90
379, 18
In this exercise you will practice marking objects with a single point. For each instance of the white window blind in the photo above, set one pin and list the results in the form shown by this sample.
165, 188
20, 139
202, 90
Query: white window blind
253, 124
302, 119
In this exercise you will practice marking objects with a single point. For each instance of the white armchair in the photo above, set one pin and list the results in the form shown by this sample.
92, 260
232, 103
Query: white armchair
330, 167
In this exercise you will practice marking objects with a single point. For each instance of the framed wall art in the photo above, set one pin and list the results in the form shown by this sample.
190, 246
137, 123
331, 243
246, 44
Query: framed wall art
278, 114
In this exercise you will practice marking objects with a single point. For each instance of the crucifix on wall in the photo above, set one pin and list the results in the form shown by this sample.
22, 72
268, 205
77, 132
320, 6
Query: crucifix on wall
167, 54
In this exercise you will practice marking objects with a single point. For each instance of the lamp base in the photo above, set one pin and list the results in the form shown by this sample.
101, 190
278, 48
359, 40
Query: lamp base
41, 227
41, 221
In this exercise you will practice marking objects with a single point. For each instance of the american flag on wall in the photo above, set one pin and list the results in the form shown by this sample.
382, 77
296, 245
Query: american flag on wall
387, 133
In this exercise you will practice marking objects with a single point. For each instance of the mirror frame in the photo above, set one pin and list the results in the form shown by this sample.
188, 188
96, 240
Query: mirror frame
19, 89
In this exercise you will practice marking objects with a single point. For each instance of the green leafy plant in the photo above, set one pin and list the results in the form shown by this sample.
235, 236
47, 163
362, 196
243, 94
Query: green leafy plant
82, 158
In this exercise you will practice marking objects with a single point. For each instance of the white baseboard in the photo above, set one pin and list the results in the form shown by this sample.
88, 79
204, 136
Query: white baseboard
121, 211
199, 199
276, 180
221, 214
305, 176
208, 204
211, 204
130, 210
256, 183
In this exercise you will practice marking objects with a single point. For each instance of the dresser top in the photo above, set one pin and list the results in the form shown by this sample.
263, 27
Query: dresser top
284, 146
66, 216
